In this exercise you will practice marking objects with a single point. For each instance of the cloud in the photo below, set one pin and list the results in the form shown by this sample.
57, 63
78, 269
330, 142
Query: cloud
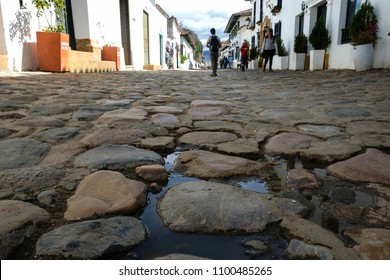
201, 15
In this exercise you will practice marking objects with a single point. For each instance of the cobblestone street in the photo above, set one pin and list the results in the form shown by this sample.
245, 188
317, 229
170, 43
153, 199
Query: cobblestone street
181, 165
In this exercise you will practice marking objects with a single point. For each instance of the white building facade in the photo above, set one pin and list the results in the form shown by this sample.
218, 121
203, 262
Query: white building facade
138, 27
300, 16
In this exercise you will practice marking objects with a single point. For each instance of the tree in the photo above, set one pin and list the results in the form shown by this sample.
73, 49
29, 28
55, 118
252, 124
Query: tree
319, 36
194, 41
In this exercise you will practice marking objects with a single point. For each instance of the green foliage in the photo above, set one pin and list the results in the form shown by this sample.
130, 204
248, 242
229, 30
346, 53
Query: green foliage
300, 43
276, 9
183, 58
364, 26
319, 36
55, 8
282, 51
253, 53
195, 43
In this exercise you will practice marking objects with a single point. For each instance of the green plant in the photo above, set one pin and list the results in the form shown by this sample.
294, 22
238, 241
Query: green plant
281, 47
183, 58
276, 9
51, 9
364, 26
253, 53
300, 43
319, 36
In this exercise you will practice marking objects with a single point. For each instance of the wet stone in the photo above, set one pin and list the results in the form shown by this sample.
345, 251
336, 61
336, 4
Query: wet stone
322, 131
203, 164
288, 143
301, 250
372, 243
91, 239
207, 207
372, 166
301, 179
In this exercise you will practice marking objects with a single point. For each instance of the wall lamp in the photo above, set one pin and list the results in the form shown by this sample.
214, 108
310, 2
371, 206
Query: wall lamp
248, 21
303, 6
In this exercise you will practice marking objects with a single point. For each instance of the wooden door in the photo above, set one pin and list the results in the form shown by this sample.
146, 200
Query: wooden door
146, 39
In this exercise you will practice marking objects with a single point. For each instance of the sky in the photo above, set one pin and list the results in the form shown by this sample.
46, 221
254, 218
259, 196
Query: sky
201, 15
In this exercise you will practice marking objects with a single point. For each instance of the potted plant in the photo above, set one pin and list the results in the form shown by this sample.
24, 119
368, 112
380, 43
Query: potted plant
281, 60
52, 42
299, 54
275, 10
363, 33
320, 40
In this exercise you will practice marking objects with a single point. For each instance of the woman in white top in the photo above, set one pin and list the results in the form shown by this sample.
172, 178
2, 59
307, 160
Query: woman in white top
269, 48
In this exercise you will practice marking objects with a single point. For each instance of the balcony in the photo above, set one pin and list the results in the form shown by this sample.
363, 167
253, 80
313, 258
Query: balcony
345, 39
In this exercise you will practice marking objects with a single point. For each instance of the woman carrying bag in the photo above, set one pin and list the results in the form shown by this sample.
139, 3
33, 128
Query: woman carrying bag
269, 48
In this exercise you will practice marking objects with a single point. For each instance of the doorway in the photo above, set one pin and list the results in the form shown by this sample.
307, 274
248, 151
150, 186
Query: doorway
146, 38
69, 26
125, 30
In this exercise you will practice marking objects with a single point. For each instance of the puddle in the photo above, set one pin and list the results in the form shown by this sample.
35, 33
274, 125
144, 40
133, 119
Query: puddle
162, 241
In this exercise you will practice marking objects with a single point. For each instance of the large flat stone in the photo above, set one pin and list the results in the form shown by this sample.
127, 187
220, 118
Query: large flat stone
91, 239
204, 164
105, 192
117, 157
21, 152
372, 166
209, 207
18, 220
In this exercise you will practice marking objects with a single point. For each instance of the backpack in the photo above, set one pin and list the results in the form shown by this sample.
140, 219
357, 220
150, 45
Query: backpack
214, 44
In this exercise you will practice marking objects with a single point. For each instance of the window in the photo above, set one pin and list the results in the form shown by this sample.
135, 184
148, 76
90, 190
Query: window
301, 23
22, 5
353, 7
321, 12
278, 29
261, 11
254, 13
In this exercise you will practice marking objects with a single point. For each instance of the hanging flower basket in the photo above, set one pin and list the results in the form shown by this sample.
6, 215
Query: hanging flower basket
275, 10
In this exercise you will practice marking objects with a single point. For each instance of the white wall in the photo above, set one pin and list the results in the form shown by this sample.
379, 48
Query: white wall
17, 27
340, 55
94, 19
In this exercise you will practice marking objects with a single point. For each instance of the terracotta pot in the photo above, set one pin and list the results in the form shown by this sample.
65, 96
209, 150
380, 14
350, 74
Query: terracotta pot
53, 51
112, 54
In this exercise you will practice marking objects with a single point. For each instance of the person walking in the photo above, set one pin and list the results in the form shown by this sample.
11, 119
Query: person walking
269, 48
244, 54
213, 43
